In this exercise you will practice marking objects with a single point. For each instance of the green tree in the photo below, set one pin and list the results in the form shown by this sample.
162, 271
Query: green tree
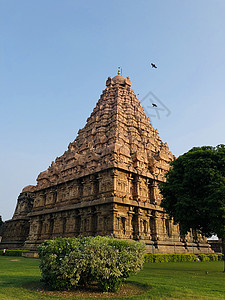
1, 224
194, 191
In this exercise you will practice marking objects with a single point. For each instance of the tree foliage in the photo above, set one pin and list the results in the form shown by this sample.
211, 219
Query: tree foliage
194, 191
1, 222
1, 225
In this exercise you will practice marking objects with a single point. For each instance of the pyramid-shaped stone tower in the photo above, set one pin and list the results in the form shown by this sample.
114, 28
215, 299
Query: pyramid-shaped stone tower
104, 184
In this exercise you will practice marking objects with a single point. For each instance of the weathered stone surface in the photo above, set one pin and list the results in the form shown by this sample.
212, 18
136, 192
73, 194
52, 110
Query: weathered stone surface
106, 183
216, 245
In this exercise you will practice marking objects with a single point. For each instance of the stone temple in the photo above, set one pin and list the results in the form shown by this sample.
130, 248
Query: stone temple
104, 184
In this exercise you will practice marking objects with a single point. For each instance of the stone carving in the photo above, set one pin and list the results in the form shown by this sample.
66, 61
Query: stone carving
104, 184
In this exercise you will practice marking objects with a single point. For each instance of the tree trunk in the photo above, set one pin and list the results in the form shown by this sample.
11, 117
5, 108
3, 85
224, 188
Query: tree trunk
223, 251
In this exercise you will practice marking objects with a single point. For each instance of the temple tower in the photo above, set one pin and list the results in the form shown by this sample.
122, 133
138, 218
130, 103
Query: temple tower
106, 183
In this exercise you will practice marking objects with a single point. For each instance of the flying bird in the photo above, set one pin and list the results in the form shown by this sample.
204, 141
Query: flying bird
153, 66
154, 105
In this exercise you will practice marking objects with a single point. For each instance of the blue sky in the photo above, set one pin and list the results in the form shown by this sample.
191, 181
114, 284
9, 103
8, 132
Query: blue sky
55, 56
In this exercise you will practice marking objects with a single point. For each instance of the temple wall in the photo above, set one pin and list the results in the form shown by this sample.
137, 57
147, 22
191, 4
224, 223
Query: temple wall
113, 202
90, 220
15, 233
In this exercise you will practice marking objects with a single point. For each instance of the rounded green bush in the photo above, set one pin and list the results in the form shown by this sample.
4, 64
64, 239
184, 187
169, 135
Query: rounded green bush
69, 262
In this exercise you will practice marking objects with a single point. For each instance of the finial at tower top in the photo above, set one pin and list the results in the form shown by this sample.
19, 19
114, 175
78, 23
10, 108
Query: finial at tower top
119, 71
118, 79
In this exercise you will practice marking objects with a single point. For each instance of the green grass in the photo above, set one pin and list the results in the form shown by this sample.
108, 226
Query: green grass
187, 280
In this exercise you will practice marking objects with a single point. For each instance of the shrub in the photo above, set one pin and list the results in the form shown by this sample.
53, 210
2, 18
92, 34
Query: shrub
69, 262
220, 257
161, 258
149, 258
213, 257
169, 257
188, 257
158, 258
12, 252
204, 257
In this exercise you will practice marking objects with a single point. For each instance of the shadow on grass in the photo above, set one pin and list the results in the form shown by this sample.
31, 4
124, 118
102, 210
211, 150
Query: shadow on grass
92, 291
16, 281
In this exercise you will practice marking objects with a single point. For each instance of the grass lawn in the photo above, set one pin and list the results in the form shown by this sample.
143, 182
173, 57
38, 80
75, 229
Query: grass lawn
187, 280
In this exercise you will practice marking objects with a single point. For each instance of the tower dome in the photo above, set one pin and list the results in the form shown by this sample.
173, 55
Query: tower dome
118, 79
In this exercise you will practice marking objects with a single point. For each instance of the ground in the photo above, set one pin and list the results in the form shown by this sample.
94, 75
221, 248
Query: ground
19, 280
